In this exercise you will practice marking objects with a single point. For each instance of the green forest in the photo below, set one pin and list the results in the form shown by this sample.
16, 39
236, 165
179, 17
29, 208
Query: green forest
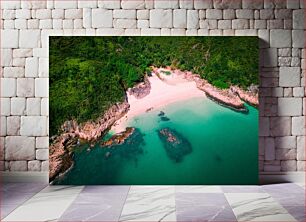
89, 74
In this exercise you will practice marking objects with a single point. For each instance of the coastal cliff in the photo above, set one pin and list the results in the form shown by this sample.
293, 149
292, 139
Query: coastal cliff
61, 147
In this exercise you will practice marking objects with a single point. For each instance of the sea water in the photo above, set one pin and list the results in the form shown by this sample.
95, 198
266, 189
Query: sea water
224, 149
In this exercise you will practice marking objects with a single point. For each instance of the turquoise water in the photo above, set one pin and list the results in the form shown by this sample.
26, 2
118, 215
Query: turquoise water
224, 149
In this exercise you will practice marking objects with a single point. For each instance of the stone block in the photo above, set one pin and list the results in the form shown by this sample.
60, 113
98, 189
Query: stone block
19, 148
280, 38
8, 14
87, 4
166, 4
31, 67
33, 106
9, 38
18, 106
43, 13
285, 142
58, 13
23, 14
10, 4
102, 18
283, 14
289, 106
41, 87
29, 38
5, 107
160, 18
227, 4
34, 165
18, 166
280, 126
143, 14
179, 18
270, 57
45, 166
22, 53
125, 23
7, 57
3, 127
123, 13
20, 23
301, 148
285, 154
86, 18
293, 4
187, 4
42, 142
224, 24
133, 4
110, 32
65, 4
269, 149
33, 126
298, 125
301, 165
271, 168
252, 4
245, 14
203, 4
44, 106
229, 14
264, 126
25, 87
42, 154
298, 38
13, 72
264, 38
289, 76
207, 24
240, 24
298, 19
298, 92
214, 14
192, 19
288, 165
13, 125
142, 24
19, 62
43, 67
266, 14
109, 4
150, 32
73, 13
8, 87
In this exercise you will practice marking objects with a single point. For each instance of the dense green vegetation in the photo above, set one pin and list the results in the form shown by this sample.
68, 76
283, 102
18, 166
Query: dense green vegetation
89, 74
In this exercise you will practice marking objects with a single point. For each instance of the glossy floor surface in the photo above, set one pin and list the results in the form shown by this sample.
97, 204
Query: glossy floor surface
40, 202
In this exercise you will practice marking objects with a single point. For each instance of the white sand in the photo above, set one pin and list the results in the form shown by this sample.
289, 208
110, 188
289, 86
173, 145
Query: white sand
171, 89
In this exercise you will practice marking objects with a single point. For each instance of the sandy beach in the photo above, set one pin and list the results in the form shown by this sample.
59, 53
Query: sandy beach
164, 90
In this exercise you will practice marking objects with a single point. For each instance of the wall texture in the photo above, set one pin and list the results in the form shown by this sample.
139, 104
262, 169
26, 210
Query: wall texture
26, 25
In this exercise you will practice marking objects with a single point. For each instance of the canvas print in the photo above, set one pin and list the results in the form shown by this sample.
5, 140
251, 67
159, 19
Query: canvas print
153, 110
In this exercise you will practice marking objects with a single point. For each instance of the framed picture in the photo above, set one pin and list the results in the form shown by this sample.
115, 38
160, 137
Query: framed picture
153, 110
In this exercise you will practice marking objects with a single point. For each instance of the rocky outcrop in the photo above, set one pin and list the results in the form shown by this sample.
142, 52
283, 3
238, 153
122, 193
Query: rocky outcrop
251, 97
61, 147
141, 89
175, 144
118, 138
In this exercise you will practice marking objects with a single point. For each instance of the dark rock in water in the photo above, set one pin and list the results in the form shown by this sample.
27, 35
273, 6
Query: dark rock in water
164, 118
118, 138
176, 145
107, 154
161, 113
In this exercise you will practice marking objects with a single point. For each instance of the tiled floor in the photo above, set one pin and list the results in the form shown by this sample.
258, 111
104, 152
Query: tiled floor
40, 202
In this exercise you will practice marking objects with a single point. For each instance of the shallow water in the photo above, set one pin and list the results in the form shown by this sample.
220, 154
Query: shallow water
224, 149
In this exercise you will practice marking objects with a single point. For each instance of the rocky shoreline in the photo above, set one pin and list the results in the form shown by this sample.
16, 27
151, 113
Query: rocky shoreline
233, 98
61, 147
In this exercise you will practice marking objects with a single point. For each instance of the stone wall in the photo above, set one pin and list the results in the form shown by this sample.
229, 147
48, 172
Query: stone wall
26, 25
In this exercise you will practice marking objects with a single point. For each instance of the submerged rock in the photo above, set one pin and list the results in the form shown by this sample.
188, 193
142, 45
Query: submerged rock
161, 113
118, 138
164, 118
175, 144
